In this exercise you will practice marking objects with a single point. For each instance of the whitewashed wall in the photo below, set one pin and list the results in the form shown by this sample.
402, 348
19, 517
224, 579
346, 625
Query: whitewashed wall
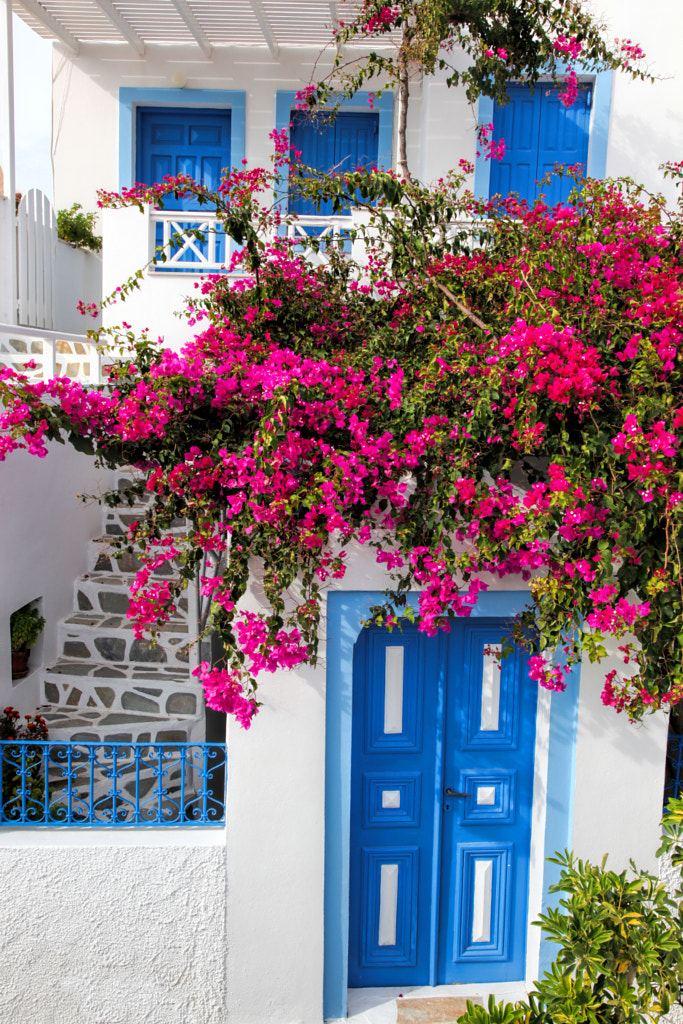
95, 931
44, 533
78, 277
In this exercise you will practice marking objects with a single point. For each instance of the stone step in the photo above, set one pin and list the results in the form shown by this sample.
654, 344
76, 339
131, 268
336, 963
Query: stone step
103, 558
110, 593
120, 727
96, 636
116, 521
121, 687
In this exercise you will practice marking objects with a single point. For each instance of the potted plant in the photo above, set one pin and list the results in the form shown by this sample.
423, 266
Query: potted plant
26, 625
24, 767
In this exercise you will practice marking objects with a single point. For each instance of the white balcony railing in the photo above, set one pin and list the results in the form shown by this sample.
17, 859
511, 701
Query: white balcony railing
54, 353
175, 244
188, 242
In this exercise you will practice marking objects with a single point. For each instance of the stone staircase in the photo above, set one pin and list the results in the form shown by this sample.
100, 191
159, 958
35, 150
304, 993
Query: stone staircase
107, 686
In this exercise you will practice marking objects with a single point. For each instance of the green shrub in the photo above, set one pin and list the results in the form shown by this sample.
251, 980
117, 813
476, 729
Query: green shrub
77, 228
620, 959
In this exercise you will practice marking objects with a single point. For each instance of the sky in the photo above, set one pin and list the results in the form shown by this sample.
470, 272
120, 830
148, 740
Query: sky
32, 109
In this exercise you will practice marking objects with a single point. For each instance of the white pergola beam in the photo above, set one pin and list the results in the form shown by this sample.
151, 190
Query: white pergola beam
50, 23
193, 25
265, 26
121, 25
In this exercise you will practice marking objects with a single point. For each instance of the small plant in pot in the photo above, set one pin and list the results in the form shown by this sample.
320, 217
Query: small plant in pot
26, 625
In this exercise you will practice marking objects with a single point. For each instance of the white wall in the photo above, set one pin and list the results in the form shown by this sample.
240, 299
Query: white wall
78, 277
96, 933
619, 779
646, 127
44, 533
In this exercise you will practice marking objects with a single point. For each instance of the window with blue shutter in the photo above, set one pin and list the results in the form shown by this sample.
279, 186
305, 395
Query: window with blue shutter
539, 132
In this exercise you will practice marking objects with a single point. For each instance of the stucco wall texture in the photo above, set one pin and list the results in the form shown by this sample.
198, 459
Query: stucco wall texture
113, 935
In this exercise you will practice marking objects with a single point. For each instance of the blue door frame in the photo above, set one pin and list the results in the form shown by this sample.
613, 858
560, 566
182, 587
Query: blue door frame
345, 612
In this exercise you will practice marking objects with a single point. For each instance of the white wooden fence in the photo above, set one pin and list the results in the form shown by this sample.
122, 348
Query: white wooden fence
36, 254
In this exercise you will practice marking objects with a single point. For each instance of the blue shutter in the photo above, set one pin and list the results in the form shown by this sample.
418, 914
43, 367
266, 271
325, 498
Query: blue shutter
563, 139
347, 142
518, 124
539, 132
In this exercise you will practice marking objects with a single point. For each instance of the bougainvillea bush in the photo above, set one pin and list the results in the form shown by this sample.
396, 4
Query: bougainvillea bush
494, 391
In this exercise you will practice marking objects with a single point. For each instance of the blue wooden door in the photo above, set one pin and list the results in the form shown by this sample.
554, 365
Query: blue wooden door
439, 883
186, 140
347, 142
539, 132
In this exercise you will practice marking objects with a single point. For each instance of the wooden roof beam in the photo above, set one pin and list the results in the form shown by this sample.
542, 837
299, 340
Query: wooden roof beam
121, 25
53, 26
265, 26
183, 9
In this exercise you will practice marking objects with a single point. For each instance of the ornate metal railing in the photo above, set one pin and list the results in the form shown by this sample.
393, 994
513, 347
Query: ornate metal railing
673, 783
112, 784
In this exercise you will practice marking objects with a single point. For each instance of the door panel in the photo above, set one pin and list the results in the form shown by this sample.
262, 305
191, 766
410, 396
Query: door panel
347, 142
394, 793
439, 882
488, 755
539, 132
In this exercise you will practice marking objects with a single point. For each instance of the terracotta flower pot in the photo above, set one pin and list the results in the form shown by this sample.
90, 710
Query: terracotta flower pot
20, 664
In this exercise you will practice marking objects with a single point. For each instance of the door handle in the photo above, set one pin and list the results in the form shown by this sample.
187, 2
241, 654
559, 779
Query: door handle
451, 792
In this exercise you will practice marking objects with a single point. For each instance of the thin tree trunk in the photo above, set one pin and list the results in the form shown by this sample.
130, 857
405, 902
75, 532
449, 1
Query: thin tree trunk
403, 99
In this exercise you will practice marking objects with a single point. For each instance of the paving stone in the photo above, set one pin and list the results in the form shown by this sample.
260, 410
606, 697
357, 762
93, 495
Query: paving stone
120, 719
91, 703
103, 564
145, 737
181, 704
84, 601
114, 530
85, 737
134, 702
113, 602
74, 698
52, 693
171, 736
106, 695
70, 669
143, 788
76, 649
143, 650
119, 737
111, 647
115, 622
149, 689
432, 1009
108, 672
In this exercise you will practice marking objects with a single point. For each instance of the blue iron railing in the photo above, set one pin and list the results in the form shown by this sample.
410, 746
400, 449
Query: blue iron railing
53, 783
674, 767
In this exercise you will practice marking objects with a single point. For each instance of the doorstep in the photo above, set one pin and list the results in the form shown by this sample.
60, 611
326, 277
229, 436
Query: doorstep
424, 1005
